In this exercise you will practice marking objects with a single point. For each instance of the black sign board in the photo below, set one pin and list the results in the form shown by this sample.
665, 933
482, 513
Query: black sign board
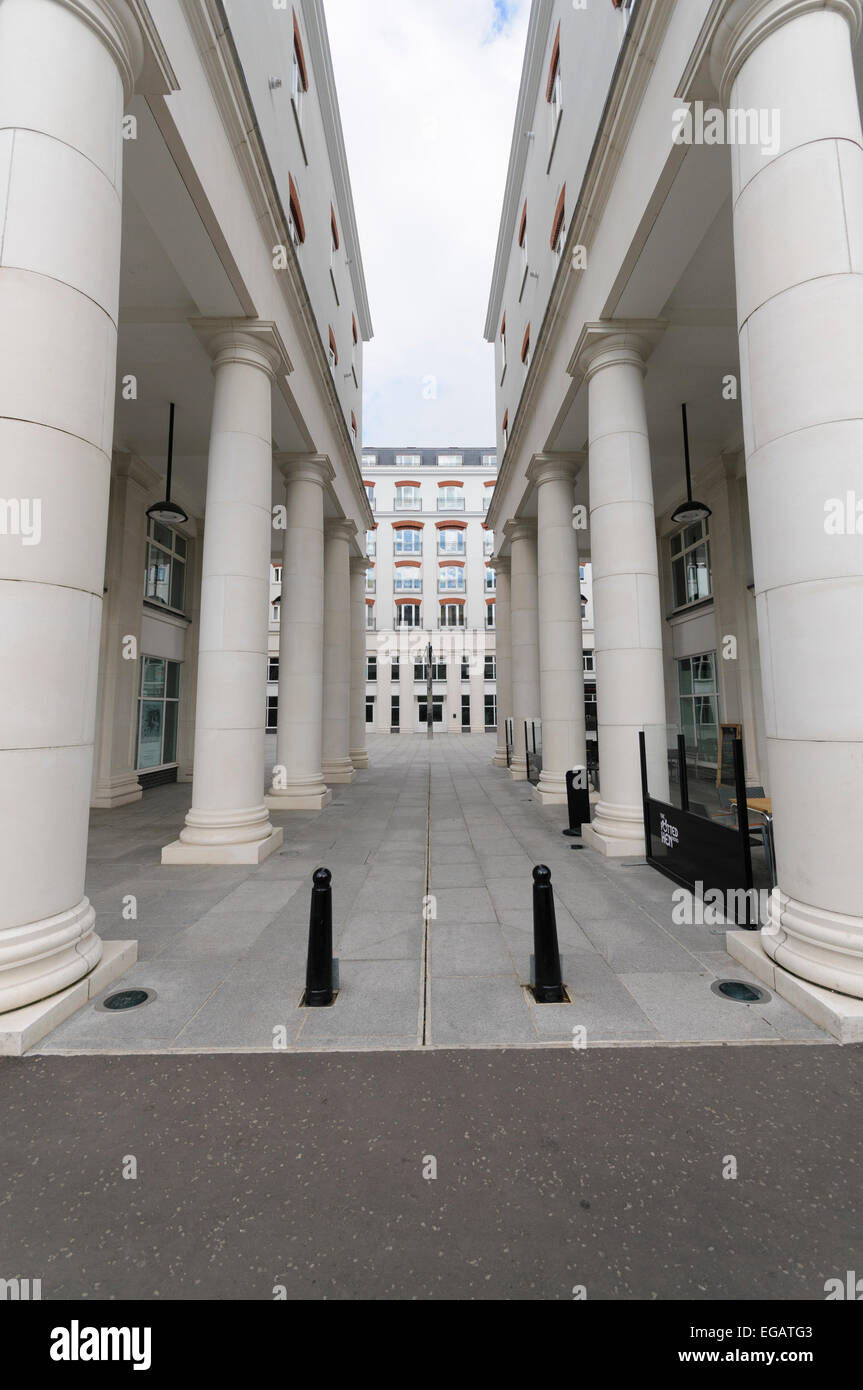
577, 800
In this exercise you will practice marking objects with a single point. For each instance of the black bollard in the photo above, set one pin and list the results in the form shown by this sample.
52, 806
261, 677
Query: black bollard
548, 982
319, 963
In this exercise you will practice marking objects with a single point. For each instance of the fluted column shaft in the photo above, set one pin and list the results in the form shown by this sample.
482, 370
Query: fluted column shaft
524, 639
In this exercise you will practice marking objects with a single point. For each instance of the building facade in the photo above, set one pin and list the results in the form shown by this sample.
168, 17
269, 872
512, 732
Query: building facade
683, 224
176, 230
429, 582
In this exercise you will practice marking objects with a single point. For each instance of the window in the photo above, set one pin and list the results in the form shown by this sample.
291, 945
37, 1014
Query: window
371, 668
272, 668
525, 348
699, 707
355, 343
505, 428
394, 714
489, 460
437, 710
522, 241
450, 460
407, 541
395, 669
407, 497
421, 671
370, 494
371, 583
450, 499
272, 713
465, 668
296, 225
370, 460
558, 226
691, 577
489, 615
158, 713
408, 461
408, 615
299, 73
354, 425
451, 541
502, 349
333, 354
408, 580
583, 609
277, 574
451, 579
490, 581
370, 617
488, 543
465, 711
165, 578
486, 500
370, 709
491, 711
334, 236
371, 544
452, 615
589, 666
490, 672
554, 88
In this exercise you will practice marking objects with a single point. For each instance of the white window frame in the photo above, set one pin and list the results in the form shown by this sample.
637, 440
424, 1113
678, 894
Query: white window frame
399, 548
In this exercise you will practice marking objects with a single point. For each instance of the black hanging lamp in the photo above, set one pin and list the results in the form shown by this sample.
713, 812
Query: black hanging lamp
689, 510
168, 512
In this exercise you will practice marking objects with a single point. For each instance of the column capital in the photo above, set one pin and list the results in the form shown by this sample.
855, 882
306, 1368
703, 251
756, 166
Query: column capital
255, 342
359, 565
521, 529
307, 468
117, 27
502, 564
549, 468
747, 23
615, 342
340, 529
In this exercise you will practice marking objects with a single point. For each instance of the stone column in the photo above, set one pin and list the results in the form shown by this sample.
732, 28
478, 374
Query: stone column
228, 822
503, 654
298, 782
406, 682
630, 687
561, 662
524, 637
65, 74
337, 765
798, 248
359, 755
189, 673
115, 781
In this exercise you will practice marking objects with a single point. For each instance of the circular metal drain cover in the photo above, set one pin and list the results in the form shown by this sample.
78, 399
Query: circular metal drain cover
740, 992
126, 999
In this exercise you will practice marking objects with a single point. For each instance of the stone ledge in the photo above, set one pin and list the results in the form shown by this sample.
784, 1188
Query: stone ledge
838, 1014
21, 1029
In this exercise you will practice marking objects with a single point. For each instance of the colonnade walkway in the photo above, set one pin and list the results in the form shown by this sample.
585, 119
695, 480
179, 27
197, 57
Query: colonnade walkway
224, 948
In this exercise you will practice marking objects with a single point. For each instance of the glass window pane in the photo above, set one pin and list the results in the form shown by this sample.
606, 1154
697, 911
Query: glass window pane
684, 676
153, 677
162, 535
178, 584
180, 546
169, 750
150, 743
678, 583
692, 534
173, 686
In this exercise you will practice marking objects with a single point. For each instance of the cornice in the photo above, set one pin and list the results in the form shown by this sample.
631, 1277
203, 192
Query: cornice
743, 25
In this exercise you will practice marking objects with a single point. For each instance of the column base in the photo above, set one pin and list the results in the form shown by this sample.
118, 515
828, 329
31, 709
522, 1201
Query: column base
518, 770
315, 799
116, 791
339, 773
824, 948
360, 761
499, 759
840, 1015
23, 1028
248, 852
43, 957
616, 831
551, 790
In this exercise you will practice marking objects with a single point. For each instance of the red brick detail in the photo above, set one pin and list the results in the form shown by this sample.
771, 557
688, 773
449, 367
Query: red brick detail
334, 227
526, 344
452, 482
451, 525
407, 482
408, 525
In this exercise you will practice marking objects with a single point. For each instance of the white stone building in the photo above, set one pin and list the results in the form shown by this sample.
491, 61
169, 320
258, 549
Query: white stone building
176, 226
429, 581
683, 223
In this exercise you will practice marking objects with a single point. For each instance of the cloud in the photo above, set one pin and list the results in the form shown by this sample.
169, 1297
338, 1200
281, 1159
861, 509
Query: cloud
427, 102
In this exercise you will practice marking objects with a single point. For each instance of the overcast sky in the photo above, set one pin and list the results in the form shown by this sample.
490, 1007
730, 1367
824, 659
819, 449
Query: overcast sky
427, 90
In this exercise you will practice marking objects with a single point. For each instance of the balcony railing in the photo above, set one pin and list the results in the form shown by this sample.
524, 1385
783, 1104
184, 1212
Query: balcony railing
450, 504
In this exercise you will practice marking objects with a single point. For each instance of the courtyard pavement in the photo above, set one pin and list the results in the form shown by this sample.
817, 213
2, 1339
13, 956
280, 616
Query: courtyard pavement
224, 948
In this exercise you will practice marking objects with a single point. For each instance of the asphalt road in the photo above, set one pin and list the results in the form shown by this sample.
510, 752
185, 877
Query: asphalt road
557, 1169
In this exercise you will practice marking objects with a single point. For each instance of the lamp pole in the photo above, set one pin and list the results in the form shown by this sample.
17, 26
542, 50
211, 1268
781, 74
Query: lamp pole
429, 695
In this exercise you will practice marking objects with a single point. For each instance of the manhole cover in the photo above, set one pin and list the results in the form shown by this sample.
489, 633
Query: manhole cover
740, 992
126, 999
